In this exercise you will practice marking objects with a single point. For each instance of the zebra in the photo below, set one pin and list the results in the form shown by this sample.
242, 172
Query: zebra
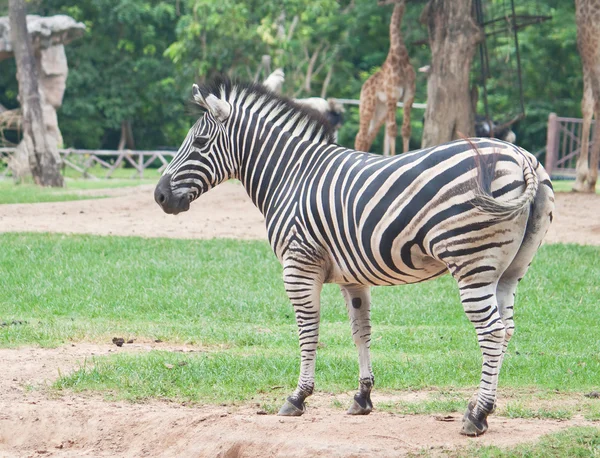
477, 209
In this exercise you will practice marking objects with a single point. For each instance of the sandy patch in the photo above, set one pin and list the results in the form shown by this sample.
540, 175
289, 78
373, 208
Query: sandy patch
32, 423
226, 211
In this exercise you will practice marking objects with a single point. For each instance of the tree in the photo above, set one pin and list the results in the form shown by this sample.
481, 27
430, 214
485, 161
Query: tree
550, 68
139, 57
120, 85
42, 152
231, 36
453, 36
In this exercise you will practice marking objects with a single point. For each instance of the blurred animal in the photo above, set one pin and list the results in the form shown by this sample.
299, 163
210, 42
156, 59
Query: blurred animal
587, 18
394, 82
485, 128
331, 109
274, 81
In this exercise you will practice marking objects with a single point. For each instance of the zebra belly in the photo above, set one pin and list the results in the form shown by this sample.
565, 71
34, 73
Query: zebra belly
425, 268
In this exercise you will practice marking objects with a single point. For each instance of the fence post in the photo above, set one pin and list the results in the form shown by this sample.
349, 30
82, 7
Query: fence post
551, 143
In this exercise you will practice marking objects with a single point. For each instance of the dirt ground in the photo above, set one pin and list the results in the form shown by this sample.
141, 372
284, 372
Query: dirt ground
36, 422
226, 211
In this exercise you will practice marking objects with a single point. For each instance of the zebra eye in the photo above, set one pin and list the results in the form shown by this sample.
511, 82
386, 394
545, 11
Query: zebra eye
199, 142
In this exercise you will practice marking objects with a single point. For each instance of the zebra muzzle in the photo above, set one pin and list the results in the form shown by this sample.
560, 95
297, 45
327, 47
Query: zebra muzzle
169, 202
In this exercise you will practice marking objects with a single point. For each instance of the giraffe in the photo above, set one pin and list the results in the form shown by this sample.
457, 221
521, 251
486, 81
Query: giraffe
587, 17
393, 82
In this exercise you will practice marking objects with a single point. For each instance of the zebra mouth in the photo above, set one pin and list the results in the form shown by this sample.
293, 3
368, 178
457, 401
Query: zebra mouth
182, 205
171, 203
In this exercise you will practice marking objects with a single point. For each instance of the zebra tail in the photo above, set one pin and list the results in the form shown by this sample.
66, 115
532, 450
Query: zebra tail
484, 199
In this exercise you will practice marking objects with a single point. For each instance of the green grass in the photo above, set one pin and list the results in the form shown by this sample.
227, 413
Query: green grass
27, 193
424, 407
514, 403
97, 171
576, 442
567, 186
228, 297
517, 410
119, 173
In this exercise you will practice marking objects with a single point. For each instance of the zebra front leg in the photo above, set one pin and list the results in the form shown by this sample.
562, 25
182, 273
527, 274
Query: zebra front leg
303, 287
480, 304
358, 301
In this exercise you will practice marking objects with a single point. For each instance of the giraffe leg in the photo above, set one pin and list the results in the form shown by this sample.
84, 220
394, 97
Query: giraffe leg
406, 129
377, 120
363, 139
303, 286
358, 302
595, 156
391, 126
587, 109
386, 144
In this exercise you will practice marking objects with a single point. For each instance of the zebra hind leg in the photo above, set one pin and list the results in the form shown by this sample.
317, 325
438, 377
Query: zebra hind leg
537, 227
488, 294
358, 302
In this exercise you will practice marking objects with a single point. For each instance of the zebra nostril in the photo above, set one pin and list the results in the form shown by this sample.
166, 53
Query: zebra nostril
161, 198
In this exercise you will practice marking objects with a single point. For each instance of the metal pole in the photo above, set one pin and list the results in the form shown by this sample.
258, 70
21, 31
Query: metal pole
514, 26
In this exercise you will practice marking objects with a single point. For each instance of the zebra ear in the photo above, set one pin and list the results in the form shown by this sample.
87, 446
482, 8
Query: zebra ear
198, 96
220, 109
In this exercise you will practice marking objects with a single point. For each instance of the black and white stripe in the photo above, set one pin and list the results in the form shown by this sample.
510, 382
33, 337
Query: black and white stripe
476, 208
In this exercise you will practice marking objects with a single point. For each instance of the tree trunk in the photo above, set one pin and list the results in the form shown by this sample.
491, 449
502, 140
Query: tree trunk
42, 153
126, 136
453, 36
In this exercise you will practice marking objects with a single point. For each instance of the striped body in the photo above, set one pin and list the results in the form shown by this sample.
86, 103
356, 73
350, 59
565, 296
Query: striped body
377, 220
476, 208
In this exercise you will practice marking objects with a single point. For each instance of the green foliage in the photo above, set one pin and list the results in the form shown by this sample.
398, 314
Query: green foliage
551, 69
139, 58
118, 72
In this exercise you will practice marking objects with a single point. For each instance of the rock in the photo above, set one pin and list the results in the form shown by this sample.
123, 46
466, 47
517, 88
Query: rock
48, 36
118, 341
45, 32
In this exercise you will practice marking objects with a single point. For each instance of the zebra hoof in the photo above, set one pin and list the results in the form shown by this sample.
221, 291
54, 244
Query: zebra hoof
361, 406
290, 410
469, 410
472, 426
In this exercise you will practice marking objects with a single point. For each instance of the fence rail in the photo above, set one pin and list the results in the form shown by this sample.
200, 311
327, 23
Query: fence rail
563, 144
417, 105
82, 160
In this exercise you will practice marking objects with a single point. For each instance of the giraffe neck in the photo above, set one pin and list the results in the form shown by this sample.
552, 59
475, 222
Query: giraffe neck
396, 42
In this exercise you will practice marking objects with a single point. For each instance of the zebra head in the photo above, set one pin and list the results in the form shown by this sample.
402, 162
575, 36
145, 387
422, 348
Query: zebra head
215, 149
199, 164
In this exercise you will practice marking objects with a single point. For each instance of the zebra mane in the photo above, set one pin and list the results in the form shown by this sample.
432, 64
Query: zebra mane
299, 120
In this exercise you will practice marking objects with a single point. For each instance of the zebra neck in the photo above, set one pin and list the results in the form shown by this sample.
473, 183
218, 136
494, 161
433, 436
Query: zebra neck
271, 161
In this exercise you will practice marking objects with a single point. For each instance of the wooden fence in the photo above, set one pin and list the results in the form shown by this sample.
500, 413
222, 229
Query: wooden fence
563, 145
83, 160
